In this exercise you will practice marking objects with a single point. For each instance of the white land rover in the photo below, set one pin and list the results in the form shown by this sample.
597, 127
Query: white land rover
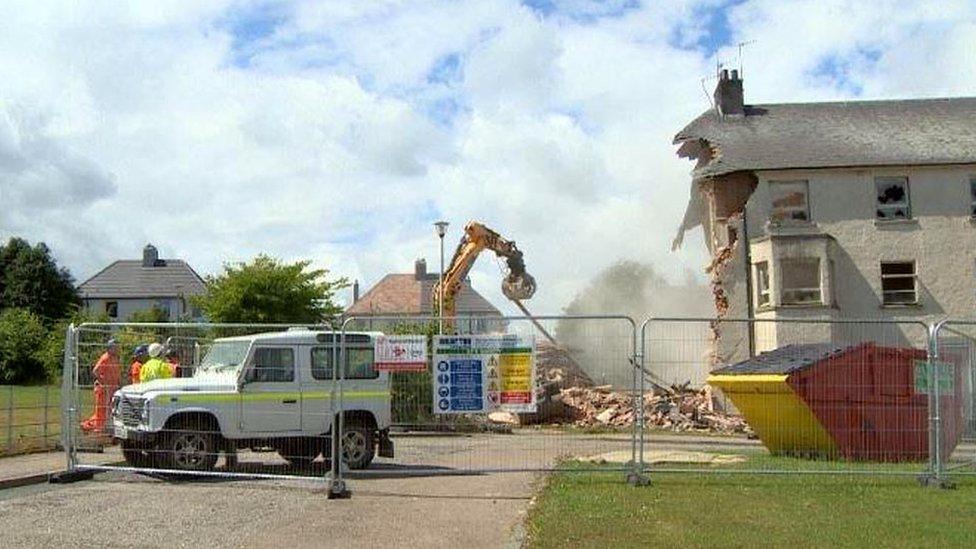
263, 390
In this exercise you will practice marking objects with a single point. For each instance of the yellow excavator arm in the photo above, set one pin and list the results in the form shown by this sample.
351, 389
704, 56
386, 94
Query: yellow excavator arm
517, 285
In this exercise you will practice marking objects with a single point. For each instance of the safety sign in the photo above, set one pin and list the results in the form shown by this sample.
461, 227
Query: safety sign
482, 373
400, 353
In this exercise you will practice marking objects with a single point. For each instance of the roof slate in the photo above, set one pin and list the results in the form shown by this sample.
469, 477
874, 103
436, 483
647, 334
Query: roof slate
837, 134
129, 279
404, 294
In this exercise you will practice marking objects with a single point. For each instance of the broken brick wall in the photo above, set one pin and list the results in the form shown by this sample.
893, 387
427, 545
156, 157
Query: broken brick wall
725, 200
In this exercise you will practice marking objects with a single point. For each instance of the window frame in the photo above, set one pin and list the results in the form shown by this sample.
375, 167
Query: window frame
763, 287
786, 291
879, 207
251, 372
783, 183
913, 275
332, 354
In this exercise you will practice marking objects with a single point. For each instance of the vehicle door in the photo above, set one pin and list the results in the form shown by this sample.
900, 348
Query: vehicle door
270, 391
316, 388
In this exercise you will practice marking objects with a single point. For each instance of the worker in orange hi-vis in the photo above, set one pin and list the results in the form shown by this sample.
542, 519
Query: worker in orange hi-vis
106, 371
139, 356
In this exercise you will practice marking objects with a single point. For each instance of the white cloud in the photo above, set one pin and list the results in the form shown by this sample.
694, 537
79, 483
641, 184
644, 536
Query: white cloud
339, 132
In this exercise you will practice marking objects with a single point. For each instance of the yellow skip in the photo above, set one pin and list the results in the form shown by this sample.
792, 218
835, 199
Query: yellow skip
783, 421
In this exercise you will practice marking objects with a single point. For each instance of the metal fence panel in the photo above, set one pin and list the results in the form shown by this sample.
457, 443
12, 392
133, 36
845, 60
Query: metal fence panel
572, 354
955, 377
817, 396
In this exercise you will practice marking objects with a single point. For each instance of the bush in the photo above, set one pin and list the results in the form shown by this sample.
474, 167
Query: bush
22, 340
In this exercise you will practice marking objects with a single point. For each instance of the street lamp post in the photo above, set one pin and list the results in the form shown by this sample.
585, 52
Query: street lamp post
441, 227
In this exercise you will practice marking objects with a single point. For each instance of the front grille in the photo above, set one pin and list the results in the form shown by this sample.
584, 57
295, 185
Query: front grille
130, 411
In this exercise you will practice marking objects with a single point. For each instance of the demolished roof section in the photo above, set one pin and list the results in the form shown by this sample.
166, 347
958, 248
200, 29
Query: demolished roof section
838, 134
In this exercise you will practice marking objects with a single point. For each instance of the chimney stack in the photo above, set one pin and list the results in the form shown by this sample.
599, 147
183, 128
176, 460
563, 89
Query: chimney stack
355, 290
150, 256
420, 269
729, 98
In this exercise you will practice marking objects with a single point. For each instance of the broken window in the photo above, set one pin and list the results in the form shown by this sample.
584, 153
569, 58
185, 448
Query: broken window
972, 195
801, 281
898, 283
893, 200
762, 284
789, 201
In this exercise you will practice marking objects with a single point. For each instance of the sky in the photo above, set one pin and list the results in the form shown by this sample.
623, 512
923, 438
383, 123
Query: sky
339, 131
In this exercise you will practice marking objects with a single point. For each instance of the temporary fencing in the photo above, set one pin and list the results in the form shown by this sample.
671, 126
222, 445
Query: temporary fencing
492, 396
953, 385
29, 418
505, 394
818, 396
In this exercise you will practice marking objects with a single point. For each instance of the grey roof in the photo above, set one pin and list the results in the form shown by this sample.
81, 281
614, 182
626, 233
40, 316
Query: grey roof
129, 279
785, 360
838, 134
406, 294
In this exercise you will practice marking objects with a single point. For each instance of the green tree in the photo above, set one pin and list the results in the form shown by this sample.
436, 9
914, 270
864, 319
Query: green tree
31, 279
51, 353
22, 336
269, 291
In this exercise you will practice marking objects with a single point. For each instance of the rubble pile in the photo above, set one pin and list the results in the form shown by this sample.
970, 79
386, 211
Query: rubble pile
556, 367
567, 395
676, 408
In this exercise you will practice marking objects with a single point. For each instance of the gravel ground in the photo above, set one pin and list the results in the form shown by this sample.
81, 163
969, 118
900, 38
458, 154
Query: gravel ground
387, 507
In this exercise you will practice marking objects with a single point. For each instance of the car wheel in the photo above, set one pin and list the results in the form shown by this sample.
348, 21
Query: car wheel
357, 446
191, 450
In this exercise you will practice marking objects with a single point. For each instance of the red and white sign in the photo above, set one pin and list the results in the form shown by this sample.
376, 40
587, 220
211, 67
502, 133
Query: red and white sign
401, 353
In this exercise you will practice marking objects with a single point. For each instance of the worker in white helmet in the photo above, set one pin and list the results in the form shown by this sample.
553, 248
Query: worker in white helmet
155, 367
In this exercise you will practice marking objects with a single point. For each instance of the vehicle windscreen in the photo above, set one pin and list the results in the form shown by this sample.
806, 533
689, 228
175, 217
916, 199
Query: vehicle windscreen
224, 356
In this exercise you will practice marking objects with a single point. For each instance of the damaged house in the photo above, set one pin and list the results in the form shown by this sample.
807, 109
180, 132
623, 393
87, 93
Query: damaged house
834, 210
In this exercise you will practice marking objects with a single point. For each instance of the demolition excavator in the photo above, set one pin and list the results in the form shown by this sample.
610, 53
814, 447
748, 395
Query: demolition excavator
517, 285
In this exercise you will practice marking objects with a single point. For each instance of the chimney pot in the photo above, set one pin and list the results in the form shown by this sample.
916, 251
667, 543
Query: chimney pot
355, 290
420, 269
150, 256
729, 98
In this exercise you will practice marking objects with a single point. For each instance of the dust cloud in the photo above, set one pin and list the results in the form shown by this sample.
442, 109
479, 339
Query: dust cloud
675, 351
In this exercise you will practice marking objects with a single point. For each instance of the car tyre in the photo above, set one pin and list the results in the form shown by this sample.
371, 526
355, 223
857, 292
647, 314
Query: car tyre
190, 450
358, 447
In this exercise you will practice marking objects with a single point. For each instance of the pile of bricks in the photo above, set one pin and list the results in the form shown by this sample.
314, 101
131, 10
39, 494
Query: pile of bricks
673, 409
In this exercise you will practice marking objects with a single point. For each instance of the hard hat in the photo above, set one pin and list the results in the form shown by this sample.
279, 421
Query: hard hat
141, 350
110, 343
155, 349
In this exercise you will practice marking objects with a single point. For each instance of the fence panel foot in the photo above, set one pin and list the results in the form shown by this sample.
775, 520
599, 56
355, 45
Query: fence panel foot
69, 477
338, 489
928, 480
637, 479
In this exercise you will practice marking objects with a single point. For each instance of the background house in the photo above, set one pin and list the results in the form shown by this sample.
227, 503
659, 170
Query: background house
127, 286
410, 294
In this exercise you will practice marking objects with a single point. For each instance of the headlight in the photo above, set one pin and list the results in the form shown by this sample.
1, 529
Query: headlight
115, 405
145, 413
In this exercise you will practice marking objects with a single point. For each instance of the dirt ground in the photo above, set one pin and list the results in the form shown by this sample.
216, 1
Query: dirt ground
388, 507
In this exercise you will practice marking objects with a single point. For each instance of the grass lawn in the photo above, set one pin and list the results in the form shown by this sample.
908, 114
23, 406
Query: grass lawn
691, 510
30, 417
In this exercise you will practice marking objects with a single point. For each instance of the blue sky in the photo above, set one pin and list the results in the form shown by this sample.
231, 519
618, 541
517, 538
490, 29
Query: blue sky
338, 131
